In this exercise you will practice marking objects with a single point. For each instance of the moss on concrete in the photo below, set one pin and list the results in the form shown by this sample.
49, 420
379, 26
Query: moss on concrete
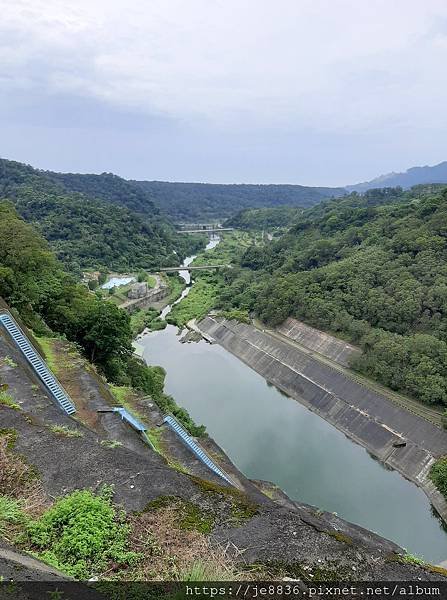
242, 507
11, 435
189, 516
330, 571
340, 537
194, 518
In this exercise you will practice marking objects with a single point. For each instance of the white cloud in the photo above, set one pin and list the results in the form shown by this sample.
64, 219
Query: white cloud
329, 65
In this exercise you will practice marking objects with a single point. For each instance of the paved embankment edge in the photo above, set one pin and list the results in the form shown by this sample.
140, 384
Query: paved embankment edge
362, 414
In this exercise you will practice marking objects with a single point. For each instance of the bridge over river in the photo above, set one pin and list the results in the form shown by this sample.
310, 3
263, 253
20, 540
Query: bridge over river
206, 230
192, 268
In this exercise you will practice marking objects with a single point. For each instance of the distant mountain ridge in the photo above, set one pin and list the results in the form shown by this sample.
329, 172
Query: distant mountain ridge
163, 203
413, 176
191, 201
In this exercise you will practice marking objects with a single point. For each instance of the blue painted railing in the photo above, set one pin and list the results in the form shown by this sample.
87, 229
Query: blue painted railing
195, 448
133, 422
38, 365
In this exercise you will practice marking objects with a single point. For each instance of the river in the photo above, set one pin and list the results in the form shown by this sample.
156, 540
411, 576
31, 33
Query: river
272, 437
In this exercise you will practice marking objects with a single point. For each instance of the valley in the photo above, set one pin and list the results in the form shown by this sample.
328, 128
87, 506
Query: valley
289, 346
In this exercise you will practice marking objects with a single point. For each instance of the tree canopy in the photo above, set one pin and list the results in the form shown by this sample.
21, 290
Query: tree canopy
371, 269
35, 283
88, 226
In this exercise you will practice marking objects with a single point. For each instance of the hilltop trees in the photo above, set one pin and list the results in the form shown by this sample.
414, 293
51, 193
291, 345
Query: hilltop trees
372, 269
35, 283
90, 220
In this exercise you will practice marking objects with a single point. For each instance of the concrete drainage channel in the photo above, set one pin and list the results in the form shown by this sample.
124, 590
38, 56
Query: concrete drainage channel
37, 364
187, 440
195, 448
58, 393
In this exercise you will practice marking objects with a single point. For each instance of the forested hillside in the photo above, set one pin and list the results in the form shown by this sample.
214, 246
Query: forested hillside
85, 231
192, 202
372, 269
49, 299
264, 218
108, 187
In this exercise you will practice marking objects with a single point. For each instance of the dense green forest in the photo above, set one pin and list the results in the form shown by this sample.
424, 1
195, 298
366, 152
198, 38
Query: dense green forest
108, 187
371, 269
264, 218
195, 202
49, 300
85, 231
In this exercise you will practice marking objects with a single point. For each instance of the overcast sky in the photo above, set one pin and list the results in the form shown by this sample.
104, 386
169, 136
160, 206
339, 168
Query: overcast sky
318, 92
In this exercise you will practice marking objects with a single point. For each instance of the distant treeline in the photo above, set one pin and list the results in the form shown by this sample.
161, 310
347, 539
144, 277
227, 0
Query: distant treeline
371, 269
264, 218
91, 221
192, 202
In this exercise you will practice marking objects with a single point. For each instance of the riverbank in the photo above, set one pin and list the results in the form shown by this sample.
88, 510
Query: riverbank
364, 415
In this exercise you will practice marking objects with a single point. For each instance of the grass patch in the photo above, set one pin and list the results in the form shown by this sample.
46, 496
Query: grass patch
236, 315
121, 393
193, 518
65, 431
200, 300
436, 570
10, 435
160, 502
110, 444
189, 516
7, 400
18, 479
11, 513
412, 559
331, 571
207, 570
124, 395
340, 537
9, 362
155, 436
47, 345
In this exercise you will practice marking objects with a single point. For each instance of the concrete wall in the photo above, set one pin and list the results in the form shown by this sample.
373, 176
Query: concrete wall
364, 415
327, 345
152, 297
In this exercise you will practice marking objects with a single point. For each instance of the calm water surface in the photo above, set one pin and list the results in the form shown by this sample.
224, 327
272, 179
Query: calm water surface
272, 437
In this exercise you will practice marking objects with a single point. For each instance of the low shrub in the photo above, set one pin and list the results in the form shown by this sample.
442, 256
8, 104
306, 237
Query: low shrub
81, 534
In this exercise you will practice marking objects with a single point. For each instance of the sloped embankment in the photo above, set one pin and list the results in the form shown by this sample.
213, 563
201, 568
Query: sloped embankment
403, 440
67, 454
